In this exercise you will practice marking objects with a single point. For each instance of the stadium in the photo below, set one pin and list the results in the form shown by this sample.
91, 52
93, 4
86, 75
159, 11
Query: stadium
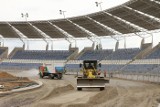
134, 73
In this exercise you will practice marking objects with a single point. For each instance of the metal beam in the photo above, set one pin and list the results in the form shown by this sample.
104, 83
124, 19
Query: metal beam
130, 25
146, 15
105, 27
148, 21
44, 36
67, 36
154, 1
20, 34
91, 36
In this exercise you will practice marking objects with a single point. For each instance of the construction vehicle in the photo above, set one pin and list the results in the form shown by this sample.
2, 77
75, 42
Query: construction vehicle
51, 71
91, 76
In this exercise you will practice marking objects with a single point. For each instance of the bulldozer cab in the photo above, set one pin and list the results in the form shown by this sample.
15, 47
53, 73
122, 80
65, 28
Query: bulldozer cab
90, 64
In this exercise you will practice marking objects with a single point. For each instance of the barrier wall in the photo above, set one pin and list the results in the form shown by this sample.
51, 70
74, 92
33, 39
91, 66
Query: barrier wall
139, 77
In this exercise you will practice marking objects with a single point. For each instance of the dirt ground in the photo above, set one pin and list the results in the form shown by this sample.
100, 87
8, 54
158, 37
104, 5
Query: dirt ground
62, 93
10, 82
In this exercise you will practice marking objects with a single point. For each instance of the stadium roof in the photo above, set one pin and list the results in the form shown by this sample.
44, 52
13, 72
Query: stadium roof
131, 17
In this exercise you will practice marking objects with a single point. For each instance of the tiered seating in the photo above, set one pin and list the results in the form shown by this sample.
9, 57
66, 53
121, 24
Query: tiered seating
8, 65
124, 54
2, 50
154, 55
71, 67
140, 68
111, 67
156, 70
104, 67
131, 68
41, 54
95, 54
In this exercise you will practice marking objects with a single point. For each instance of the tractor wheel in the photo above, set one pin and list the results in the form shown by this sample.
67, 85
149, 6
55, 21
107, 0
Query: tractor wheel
51, 76
59, 76
102, 88
40, 75
79, 89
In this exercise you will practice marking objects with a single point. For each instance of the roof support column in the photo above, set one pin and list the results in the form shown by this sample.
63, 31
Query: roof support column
2, 41
45, 36
130, 24
105, 27
153, 1
136, 13
119, 20
67, 37
21, 35
110, 29
94, 38
148, 21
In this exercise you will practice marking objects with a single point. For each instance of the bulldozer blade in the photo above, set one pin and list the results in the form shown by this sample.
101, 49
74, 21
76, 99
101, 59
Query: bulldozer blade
91, 83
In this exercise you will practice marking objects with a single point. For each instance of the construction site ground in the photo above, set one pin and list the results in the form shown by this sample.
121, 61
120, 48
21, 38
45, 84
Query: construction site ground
63, 93
10, 82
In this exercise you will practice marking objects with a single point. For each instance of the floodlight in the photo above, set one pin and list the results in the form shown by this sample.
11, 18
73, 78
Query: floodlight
27, 15
60, 11
22, 14
96, 4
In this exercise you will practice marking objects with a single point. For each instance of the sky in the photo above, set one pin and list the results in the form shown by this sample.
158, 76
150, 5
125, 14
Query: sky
11, 10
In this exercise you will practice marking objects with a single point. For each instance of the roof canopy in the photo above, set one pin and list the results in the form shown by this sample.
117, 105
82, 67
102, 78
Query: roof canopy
131, 17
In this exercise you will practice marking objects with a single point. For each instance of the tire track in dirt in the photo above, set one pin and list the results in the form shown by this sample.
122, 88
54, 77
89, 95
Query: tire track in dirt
61, 93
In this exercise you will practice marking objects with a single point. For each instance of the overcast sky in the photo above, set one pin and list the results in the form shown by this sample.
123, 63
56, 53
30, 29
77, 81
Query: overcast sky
11, 10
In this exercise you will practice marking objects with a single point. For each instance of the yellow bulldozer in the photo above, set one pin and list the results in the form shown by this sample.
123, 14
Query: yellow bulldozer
91, 76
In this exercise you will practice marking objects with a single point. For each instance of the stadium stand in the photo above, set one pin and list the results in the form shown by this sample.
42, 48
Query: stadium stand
18, 66
156, 70
111, 67
120, 54
154, 55
140, 68
127, 18
95, 54
124, 54
71, 67
3, 52
41, 54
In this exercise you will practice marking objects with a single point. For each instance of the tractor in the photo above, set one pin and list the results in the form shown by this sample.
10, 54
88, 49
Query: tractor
91, 76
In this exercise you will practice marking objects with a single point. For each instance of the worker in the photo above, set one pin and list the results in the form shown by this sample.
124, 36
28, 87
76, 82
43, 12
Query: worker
105, 73
90, 73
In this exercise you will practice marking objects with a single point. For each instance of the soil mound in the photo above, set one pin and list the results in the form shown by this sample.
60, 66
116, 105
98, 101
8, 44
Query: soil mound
6, 75
10, 82
58, 91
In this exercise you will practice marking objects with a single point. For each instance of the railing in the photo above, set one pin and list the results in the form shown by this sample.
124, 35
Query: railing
138, 77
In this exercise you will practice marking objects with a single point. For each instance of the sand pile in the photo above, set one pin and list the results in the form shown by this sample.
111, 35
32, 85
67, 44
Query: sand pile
6, 75
57, 91
11, 82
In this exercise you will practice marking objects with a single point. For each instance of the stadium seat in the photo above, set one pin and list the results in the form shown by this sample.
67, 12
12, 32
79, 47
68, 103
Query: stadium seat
42, 55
